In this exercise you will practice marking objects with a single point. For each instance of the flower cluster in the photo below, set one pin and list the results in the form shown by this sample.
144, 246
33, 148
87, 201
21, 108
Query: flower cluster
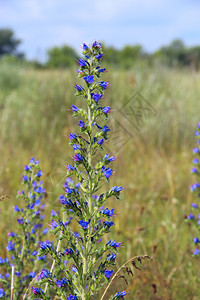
82, 261
195, 189
22, 247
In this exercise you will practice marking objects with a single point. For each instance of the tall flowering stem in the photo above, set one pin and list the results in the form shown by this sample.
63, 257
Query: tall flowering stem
194, 218
22, 263
83, 261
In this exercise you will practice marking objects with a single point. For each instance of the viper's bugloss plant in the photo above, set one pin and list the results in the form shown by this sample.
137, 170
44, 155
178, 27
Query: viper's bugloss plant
194, 217
82, 261
22, 247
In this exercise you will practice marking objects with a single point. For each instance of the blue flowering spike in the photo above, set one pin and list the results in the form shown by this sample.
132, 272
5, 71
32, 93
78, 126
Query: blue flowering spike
195, 188
90, 259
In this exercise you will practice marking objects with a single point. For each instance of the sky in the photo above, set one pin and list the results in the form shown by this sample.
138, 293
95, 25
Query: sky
43, 24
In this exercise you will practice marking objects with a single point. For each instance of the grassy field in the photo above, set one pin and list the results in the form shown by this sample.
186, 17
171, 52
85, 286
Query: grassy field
154, 149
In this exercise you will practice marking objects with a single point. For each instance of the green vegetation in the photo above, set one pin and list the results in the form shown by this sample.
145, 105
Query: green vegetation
154, 164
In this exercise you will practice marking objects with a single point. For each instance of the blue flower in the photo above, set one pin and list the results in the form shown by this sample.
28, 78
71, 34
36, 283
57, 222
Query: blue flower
74, 269
72, 136
111, 257
196, 150
81, 62
78, 157
76, 147
17, 274
196, 252
105, 128
100, 70
194, 187
71, 297
96, 97
71, 168
194, 205
196, 240
32, 275
53, 213
108, 212
27, 168
117, 189
96, 45
84, 224
106, 109
39, 173
10, 246
2, 293
16, 208
108, 224
54, 224
194, 170
104, 84
195, 161
100, 142
89, 79
79, 88
109, 159
68, 251
120, 294
113, 244
108, 273
81, 124
37, 291
108, 172
191, 217
75, 108
99, 56
45, 274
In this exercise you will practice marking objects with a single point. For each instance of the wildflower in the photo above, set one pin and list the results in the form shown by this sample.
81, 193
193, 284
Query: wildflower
196, 150
113, 244
194, 205
194, 170
107, 172
89, 79
104, 84
196, 252
81, 62
76, 147
196, 240
99, 56
10, 246
79, 88
108, 212
75, 108
120, 294
74, 269
108, 224
78, 157
45, 274
191, 217
106, 109
194, 187
81, 124
84, 224
71, 297
2, 293
68, 251
117, 189
37, 291
96, 97
111, 257
195, 161
100, 142
108, 273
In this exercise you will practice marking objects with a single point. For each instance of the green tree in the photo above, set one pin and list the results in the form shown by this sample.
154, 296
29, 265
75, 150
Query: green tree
8, 43
129, 54
61, 57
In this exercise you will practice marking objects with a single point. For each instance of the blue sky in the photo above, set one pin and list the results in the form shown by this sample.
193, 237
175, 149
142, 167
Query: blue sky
42, 24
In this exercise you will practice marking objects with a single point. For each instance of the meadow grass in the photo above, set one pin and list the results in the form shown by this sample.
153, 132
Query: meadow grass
154, 162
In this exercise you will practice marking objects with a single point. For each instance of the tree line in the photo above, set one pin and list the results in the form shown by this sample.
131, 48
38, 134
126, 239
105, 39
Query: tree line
176, 54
